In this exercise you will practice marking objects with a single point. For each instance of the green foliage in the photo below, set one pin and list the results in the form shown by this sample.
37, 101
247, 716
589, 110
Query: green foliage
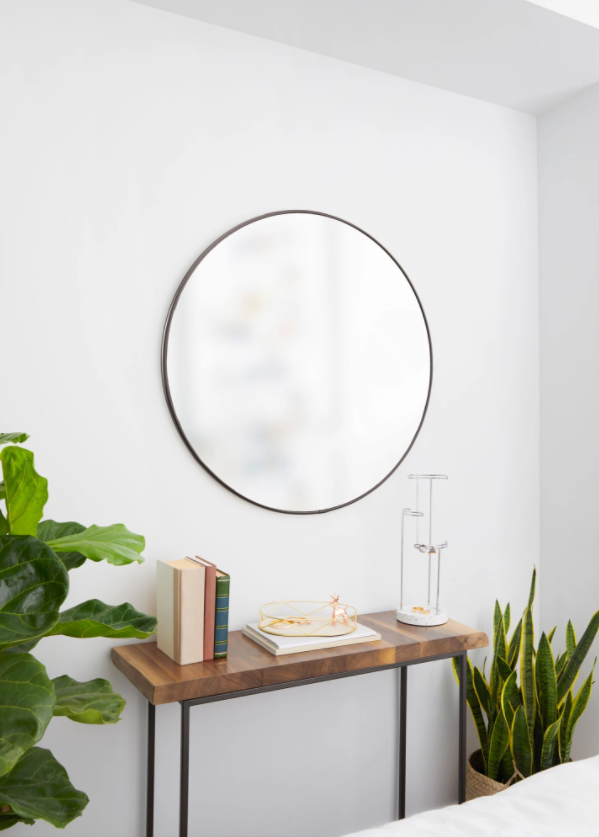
26, 493
115, 544
35, 557
93, 702
26, 704
50, 530
38, 787
33, 585
13, 438
528, 728
94, 618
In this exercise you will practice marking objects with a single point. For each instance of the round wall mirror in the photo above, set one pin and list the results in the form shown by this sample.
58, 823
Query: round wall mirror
297, 362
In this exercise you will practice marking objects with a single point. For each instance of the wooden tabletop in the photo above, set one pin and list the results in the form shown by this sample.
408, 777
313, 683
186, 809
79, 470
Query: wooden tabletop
248, 665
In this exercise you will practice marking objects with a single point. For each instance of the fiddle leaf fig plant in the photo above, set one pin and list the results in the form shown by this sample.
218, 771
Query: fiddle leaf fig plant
35, 559
526, 728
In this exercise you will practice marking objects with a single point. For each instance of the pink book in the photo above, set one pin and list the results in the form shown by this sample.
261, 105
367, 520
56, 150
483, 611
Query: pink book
209, 606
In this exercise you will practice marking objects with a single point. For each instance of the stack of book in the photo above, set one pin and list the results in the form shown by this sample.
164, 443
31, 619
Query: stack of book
279, 645
193, 610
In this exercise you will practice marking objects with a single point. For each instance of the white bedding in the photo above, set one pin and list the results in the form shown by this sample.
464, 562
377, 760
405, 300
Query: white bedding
559, 802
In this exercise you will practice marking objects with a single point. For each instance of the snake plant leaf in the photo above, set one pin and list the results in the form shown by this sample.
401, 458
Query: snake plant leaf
520, 743
38, 787
546, 684
507, 617
578, 706
527, 675
550, 634
474, 705
570, 674
537, 742
115, 544
497, 615
564, 744
549, 744
33, 586
482, 691
503, 669
26, 703
514, 646
510, 698
13, 438
533, 584
499, 643
93, 702
499, 648
570, 639
3, 524
94, 618
26, 491
560, 666
49, 530
499, 743
506, 769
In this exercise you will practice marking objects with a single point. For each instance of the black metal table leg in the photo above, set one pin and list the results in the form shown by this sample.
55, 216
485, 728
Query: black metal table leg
151, 762
184, 786
462, 727
403, 730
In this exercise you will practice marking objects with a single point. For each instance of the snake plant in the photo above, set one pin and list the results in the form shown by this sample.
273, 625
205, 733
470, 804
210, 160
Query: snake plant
528, 727
35, 559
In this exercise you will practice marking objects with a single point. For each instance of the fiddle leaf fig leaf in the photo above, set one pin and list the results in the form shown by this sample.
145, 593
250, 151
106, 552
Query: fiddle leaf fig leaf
26, 703
2, 491
38, 787
115, 544
49, 530
94, 618
13, 438
8, 820
26, 493
33, 585
3, 524
93, 702
22, 647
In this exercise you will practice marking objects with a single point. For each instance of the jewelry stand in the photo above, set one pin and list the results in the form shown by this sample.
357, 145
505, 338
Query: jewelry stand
424, 615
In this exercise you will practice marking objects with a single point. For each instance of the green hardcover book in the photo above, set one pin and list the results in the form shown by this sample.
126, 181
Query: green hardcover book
221, 621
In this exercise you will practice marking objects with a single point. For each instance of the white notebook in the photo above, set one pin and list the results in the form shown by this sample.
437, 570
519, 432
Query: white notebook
279, 645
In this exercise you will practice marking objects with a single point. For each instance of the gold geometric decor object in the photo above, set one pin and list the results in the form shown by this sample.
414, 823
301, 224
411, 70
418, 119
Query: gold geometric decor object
308, 618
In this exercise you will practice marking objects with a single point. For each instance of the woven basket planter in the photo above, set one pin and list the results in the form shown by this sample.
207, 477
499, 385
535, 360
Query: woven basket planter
477, 784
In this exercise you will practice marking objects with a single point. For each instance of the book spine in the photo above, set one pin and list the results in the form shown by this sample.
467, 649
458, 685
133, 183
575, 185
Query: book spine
209, 613
165, 608
221, 619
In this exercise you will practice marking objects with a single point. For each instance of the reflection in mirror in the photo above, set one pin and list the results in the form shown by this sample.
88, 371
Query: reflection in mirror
297, 362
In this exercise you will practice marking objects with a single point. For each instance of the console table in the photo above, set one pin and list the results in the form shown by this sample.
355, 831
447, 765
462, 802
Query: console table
250, 670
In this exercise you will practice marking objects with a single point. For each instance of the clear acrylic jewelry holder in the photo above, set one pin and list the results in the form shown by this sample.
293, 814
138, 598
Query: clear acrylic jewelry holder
427, 614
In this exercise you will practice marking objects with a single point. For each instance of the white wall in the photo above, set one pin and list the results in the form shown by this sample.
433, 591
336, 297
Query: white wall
587, 11
569, 339
131, 139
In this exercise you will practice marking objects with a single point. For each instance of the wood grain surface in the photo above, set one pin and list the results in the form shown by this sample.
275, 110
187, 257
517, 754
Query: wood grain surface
248, 666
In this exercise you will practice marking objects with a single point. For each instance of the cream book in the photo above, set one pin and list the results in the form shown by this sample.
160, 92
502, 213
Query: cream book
279, 645
180, 609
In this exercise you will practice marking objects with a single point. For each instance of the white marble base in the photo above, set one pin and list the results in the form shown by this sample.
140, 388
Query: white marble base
408, 615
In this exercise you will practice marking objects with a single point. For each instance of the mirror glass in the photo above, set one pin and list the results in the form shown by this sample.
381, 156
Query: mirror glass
297, 362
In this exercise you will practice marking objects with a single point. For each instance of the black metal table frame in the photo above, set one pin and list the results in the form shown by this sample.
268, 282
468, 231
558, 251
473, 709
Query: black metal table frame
185, 727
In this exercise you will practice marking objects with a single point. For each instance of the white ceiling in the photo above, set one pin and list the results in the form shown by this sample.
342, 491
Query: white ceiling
510, 52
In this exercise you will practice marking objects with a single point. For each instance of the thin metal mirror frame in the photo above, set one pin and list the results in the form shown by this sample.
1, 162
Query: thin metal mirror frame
164, 358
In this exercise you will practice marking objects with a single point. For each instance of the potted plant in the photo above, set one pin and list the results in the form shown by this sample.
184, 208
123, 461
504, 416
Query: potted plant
35, 559
528, 727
